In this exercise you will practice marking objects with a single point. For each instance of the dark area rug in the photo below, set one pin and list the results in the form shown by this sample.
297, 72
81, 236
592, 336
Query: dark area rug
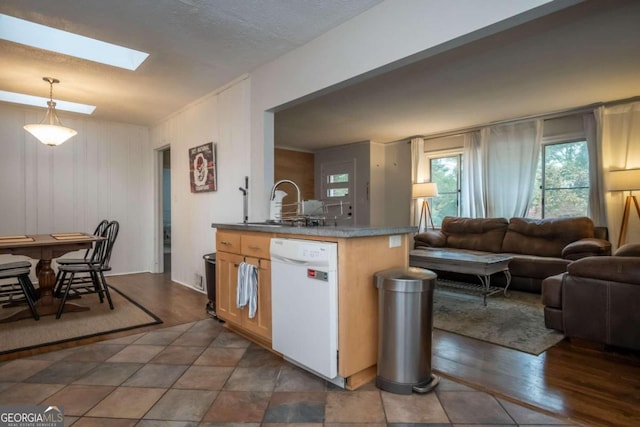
29, 333
515, 321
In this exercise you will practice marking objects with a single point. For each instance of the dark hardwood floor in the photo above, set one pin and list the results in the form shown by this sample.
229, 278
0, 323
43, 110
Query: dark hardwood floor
173, 303
587, 385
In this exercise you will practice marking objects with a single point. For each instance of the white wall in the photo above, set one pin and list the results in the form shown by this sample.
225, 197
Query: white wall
220, 118
103, 172
397, 204
377, 185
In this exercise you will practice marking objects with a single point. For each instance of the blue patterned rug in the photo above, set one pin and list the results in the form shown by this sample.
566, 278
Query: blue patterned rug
515, 321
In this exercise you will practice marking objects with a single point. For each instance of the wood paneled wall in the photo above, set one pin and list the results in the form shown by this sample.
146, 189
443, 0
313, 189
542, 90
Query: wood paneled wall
298, 167
103, 172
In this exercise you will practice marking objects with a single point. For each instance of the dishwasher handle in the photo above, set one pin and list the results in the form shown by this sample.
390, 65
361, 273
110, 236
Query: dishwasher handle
289, 260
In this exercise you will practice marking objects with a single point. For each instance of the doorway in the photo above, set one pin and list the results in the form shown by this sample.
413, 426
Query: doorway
166, 209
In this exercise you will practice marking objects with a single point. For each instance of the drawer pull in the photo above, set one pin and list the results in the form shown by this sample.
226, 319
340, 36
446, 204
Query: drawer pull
224, 242
254, 247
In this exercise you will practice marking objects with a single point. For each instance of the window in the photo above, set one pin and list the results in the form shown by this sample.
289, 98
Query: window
446, 172
338, 185
562, 181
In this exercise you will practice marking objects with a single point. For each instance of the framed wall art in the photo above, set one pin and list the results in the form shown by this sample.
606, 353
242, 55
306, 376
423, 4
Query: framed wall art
203, 167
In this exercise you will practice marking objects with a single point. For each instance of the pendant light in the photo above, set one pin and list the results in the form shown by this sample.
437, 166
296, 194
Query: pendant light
50, 130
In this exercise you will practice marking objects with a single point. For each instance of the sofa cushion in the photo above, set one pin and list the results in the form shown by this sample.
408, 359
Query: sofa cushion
430, 239
586, 247
545, 237
477, 234
537, 267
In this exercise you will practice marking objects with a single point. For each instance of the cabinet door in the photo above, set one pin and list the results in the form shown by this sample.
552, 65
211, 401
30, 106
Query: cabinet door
261, 324
226, 286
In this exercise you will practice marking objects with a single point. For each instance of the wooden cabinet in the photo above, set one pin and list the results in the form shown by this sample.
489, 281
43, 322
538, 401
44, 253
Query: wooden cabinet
232, 249
226, 284
359, 258
261, 322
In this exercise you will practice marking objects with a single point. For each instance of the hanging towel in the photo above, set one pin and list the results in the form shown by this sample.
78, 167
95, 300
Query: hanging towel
247, 292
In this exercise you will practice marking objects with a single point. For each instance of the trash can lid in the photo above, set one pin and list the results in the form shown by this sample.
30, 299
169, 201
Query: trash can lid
410, 279
210, 257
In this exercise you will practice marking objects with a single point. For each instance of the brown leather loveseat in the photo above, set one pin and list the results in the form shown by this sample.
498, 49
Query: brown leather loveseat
597, 299
540, 248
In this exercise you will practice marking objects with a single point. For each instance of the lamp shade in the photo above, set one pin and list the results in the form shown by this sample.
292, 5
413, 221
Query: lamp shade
50, 134
424, 189
624, 180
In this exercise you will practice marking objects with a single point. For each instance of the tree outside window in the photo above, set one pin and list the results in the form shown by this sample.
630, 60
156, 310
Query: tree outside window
562, 181
446, 171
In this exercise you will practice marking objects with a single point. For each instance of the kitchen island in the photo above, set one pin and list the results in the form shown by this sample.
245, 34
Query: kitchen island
361, 252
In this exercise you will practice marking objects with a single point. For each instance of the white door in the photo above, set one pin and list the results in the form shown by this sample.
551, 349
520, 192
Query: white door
337, 191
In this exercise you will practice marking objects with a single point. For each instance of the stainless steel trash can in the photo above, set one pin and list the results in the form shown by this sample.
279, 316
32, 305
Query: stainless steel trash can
405, 324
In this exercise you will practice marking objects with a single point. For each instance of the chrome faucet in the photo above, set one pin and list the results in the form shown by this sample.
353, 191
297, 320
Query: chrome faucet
282, 181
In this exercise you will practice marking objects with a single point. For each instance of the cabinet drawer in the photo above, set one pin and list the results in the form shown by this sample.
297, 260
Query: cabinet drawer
228, 242
256, 246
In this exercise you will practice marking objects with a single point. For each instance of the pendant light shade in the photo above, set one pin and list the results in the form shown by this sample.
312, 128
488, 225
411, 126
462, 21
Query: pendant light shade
50, 131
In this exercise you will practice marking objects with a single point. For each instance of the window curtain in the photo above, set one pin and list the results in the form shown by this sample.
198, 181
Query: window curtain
472, 198
511, 153
417, 174
621, 150
593, 134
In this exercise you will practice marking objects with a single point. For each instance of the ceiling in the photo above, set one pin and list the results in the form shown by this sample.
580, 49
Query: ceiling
195, 47
582, 55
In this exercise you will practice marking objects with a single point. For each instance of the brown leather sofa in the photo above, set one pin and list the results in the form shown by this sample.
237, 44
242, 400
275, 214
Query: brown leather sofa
597, 299
540, 248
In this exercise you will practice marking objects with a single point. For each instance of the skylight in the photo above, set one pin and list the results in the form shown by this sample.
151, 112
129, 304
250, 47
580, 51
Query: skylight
42, 37
20, 98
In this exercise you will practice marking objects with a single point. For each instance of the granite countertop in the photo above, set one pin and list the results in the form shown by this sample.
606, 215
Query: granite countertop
326, 231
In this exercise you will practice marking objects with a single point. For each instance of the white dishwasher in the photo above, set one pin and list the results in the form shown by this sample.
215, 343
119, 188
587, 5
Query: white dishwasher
304, 301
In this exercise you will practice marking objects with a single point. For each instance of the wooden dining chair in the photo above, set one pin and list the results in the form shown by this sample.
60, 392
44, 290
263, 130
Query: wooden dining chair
89, 253
87, 277
18, 287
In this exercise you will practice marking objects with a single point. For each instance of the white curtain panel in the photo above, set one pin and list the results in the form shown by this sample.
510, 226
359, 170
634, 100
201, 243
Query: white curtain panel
472, 198
511, 156
621, 150
593, 133
621, 136
418, 174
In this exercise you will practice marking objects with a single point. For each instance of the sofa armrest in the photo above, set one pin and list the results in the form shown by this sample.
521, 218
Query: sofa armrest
609, 268
585, 248
630, 249
430, 239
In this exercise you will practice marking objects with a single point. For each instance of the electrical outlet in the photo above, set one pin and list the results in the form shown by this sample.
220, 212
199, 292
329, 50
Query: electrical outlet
395, 241
197, 281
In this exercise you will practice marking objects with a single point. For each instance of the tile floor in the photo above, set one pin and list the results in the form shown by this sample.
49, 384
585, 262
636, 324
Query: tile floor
199, 374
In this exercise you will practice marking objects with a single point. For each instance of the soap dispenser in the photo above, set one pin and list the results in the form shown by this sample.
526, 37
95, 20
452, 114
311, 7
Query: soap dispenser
275, 211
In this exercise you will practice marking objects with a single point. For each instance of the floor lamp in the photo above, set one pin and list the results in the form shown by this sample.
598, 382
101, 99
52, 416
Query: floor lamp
625, 180
424, 191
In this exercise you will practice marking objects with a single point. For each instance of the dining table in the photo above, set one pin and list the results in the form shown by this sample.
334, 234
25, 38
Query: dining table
45, 248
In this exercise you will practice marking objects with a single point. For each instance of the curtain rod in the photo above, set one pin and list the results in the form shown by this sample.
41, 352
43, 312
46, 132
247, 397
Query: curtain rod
546, 116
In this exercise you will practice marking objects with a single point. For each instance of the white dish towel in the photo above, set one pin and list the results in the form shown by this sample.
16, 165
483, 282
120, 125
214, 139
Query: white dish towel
247, 292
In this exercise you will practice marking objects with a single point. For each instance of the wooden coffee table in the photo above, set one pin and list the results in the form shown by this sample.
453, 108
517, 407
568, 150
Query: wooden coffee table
480, 265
